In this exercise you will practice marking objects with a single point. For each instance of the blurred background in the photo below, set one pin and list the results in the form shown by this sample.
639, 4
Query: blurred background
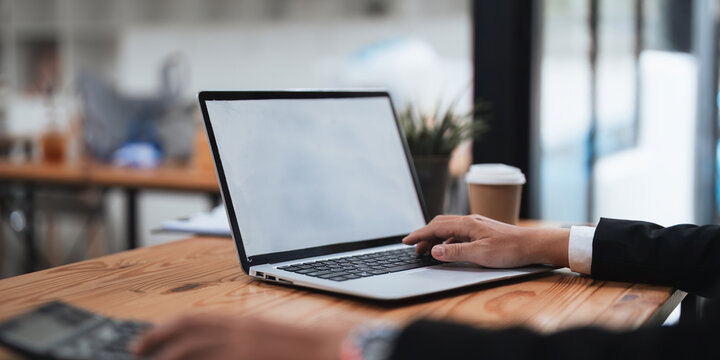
608, 106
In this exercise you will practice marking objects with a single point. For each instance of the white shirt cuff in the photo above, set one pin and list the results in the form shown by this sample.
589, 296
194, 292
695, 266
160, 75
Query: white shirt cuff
580, 248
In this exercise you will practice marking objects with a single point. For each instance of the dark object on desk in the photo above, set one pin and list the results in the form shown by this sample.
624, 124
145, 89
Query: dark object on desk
60, 331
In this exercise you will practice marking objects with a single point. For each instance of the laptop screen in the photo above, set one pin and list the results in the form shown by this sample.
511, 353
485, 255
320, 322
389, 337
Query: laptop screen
303, 173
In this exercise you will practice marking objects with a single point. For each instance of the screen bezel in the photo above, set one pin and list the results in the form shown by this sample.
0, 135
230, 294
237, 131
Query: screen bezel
247, 261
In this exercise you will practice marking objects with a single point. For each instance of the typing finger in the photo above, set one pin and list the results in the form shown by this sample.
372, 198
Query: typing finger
424, 247
436, 220
440, 231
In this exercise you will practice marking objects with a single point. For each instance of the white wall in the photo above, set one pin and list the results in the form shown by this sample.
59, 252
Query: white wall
287, 54
272, 55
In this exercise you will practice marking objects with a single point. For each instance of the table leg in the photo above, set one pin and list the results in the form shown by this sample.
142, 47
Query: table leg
691, 309
3, 211
132, 220
215, 199
30, 248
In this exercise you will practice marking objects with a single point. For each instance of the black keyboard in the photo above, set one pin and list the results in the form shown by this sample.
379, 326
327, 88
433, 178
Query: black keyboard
117, 339
360, 266
57, 330
109, 340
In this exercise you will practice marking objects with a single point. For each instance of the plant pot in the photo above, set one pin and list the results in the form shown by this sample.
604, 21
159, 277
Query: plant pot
434, 178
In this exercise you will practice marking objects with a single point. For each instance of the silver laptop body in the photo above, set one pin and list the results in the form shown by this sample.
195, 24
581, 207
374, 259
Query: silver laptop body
324, 179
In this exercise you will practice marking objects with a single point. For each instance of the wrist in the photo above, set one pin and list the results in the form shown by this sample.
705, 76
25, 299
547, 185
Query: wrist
549, 246
370, 341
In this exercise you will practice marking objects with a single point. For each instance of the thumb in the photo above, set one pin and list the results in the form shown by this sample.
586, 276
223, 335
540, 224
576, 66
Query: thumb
452, 252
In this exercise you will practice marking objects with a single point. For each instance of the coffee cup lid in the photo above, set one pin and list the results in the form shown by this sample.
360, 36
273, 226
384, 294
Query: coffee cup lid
494, 174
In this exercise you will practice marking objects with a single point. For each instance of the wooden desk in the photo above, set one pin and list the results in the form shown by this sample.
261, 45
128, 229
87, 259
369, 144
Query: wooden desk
202, 275
182, 178
90, 174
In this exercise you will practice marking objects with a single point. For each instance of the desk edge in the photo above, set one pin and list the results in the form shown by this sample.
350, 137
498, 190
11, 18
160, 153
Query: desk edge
662, 313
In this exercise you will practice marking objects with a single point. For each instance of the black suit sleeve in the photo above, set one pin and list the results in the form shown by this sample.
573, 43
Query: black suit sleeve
443, 340
683, 256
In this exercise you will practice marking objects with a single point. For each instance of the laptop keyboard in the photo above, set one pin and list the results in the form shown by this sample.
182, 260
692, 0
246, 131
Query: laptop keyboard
360, 266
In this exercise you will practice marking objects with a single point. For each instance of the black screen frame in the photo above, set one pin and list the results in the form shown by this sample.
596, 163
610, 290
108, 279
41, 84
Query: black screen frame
247, 261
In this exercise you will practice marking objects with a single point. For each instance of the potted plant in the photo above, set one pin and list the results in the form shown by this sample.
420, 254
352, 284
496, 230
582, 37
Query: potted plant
432, 137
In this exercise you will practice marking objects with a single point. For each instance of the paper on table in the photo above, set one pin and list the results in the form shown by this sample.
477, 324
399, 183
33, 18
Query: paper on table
212, 223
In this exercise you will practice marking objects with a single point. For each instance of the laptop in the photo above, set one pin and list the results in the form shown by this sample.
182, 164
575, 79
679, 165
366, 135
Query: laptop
320, 188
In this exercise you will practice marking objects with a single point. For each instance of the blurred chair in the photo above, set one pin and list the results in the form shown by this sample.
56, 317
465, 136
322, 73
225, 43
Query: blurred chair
112, 119
88, 241
50, 208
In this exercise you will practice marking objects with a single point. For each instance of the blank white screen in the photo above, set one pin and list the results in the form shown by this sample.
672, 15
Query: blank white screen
310, 172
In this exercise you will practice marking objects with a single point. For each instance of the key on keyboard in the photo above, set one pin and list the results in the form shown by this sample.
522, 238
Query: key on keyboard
360, 266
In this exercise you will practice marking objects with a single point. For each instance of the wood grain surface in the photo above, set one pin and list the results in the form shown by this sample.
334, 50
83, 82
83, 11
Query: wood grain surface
36, 172
203, 275
95, 174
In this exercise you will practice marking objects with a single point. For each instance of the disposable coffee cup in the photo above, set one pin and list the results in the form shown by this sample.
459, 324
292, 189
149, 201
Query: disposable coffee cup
495, 191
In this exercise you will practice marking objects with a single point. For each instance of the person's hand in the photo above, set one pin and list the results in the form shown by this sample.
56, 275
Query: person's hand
490, 243
211, 336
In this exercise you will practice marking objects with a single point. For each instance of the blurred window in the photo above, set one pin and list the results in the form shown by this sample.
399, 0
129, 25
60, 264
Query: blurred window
619, 42
618, 110
564, 110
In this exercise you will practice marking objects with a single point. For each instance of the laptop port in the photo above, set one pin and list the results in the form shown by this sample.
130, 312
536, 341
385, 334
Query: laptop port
259, 274
285, 281
270, 277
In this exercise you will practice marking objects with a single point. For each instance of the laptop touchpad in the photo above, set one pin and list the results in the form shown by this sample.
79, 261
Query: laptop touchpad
463, 272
